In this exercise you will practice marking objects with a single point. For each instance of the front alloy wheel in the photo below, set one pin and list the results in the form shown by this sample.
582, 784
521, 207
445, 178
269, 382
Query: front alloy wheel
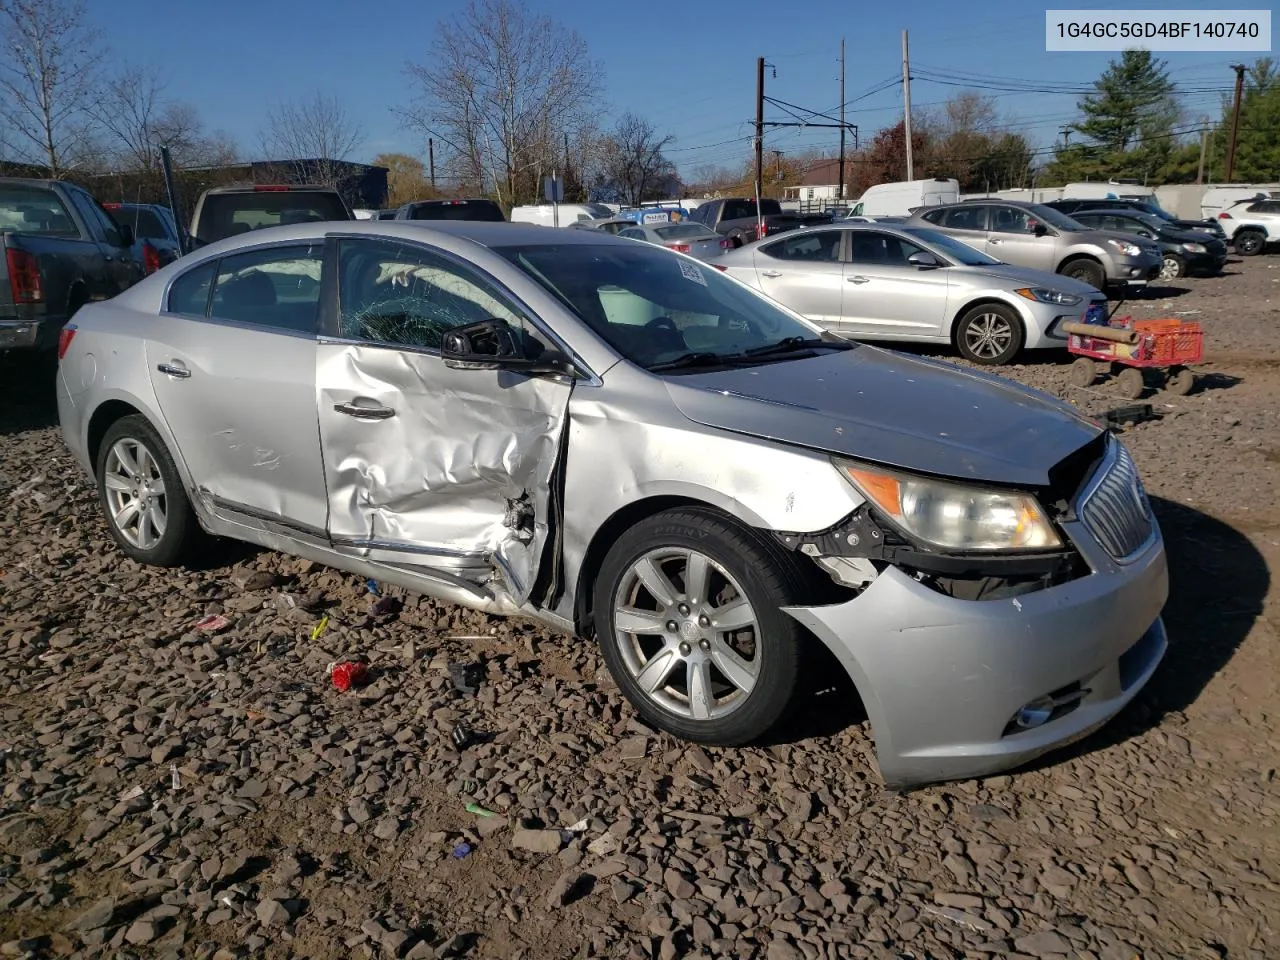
1171, 267
137, 505
688, 612
989, 334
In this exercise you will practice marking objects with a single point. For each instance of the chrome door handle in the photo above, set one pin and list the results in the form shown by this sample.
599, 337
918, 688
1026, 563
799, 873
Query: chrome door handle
360, 412
770, 273
995, 240
174, 370
858, 279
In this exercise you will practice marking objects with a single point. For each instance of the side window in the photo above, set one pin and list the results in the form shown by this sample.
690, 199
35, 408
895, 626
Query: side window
84, 206
275, 287
966, 218
880, 249
189, 294
1090, 220
1123, 224
110, 229
399, 293
934, 216
1009, 220
632, 233
822, 246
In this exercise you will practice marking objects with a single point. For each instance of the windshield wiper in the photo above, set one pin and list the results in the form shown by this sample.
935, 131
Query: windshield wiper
699, 358
793, 344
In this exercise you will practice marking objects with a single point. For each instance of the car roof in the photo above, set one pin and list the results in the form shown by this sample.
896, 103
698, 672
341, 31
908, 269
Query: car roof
272, 188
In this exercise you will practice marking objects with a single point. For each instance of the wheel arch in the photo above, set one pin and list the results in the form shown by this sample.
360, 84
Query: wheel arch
983, 300
1076, 258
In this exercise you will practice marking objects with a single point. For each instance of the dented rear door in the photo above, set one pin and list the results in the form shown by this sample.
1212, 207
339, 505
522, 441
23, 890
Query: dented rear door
428, 467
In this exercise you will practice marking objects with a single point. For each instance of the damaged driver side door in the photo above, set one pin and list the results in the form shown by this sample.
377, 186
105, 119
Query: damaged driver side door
446, 472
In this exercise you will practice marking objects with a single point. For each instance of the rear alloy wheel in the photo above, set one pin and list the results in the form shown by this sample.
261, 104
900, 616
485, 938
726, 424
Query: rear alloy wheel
146, 508
688, 614
1249, 243
1172, 267
1086, 271
989, 334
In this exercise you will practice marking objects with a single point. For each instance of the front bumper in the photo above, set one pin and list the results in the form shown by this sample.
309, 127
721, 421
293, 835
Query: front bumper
1206, 263
1136, 271
942, 679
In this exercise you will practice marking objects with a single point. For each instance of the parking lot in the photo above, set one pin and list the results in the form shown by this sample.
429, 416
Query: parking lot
167, 791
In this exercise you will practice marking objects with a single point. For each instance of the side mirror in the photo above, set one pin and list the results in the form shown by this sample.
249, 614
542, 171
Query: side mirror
126, 235
493, 345
923, 260
1147, 234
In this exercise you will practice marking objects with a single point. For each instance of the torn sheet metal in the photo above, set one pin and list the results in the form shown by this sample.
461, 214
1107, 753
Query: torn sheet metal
456, 478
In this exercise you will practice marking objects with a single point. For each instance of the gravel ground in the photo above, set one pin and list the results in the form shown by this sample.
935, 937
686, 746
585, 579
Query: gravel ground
172, 792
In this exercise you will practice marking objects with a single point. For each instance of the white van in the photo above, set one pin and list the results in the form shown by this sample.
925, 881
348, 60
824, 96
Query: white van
1106, 190
1218, 198
899, 199
1026, 194
545, 215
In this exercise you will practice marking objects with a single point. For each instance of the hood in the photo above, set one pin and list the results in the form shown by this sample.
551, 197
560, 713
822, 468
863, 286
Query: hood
1100, 237
892, 409
1187, 235
1030, 277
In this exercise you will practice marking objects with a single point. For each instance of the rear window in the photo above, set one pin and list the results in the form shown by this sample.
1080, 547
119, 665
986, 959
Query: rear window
485, 210
146, 223
227, 214
678, 231
33, 210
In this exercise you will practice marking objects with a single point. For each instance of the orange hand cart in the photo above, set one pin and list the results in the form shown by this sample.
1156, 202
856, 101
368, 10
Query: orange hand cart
1127, 349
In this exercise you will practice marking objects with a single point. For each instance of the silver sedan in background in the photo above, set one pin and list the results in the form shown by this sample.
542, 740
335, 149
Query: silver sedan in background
883, 281
694, 239
632, 447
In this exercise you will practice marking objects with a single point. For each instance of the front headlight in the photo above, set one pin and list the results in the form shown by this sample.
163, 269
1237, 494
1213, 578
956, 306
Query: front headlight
953, 516
1047, 295
1194, 247
1128, 249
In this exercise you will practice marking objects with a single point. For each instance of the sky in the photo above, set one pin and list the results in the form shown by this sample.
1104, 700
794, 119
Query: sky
689, 66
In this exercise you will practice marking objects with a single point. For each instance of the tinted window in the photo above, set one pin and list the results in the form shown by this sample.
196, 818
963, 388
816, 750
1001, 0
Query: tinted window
1266, 206
685, 231
821, 246
276, 287
1010, 220
146, 223
400, 293
32, 210
189, 294
633, 233
966, 218
951, 248
932, 216
228, 214
880, 248
485, 210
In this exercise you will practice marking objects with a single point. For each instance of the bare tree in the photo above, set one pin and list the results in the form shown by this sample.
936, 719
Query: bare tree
634, 161
49, 67
315, 134
501, 89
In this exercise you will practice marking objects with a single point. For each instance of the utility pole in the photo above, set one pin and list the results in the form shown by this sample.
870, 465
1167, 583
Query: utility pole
840, 184
906, 104
759, 131
1066, 136
1204, 142
431, 160
1239, 68
777, 161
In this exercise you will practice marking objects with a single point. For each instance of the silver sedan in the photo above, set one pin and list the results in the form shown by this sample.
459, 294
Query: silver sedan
642, 452
694, 239
887, 282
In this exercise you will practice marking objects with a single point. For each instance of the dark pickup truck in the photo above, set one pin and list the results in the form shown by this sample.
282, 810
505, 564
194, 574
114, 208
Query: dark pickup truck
61, 250
735, 218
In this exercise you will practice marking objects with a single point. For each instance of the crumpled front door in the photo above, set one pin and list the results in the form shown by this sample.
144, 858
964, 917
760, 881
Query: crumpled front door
436, 468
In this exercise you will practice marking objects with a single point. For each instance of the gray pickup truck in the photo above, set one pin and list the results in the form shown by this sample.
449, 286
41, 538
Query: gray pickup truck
735, 218
61, 251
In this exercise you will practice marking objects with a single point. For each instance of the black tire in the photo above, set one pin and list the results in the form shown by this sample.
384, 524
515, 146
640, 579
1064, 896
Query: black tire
769, 582
1172, 267
990, 334
1249, 243
181, 528
1086, 271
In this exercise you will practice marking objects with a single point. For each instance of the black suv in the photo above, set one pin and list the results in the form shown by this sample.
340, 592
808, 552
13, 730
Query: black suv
1137, 205
470, 209
1182, 252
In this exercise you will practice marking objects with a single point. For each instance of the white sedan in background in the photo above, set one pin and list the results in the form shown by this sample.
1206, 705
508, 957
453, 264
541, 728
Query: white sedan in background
888, 282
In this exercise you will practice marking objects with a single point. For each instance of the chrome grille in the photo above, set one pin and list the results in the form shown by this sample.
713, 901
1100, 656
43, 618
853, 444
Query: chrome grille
1115, 509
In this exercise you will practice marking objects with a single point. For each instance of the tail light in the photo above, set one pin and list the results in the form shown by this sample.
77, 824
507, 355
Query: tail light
111, 206
726, 244
720, 266
150, 258
24, 276
679, 247
65, 336
270, 188
1224, 216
